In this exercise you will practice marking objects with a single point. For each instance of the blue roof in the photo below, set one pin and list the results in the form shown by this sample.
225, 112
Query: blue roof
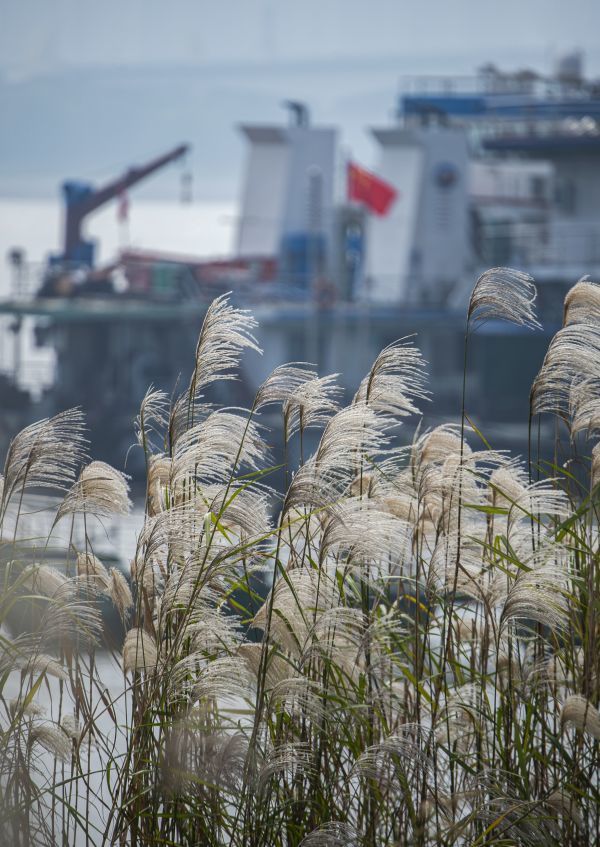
508, 106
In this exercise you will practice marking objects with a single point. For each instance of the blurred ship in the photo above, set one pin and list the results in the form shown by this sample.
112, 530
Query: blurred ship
497, 169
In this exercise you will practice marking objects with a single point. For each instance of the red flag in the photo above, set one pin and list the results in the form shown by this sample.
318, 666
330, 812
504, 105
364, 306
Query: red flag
363, 186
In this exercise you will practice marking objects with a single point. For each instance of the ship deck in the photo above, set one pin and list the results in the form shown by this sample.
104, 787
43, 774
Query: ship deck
83, 309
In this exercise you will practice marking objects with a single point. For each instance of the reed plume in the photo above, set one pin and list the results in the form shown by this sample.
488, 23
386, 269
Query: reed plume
504, 294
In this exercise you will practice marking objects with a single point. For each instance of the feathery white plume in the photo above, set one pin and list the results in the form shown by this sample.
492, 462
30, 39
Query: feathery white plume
91, 569
277, 668
282, 382
43, 664
53, 738
582, 303
101, 490
119, 592
158, 479
332, 834
45, 454
286, 759
351, 438
584, 406
139, 651
18, 706
573, 355
434, 446
539, 595
506, 294
595, 470
396, 380
153, 417
565, 804
298, 600
226, 332
311, 404
584, 716
208, 450
48, 581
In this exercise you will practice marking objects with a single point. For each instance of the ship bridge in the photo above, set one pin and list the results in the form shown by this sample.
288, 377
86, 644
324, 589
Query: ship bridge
533, 165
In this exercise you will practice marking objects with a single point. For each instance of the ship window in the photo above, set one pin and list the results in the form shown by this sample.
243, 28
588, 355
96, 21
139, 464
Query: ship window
537, 187
566, 196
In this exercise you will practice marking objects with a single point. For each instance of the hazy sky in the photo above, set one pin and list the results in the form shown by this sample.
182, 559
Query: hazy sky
90, 86
38, 35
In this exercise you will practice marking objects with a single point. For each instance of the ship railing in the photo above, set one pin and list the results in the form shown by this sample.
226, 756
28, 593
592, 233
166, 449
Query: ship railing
550, 244
23, 280
536, 126
491, 81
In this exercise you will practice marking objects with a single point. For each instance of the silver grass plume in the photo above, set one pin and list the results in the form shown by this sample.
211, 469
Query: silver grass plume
473, 578
198, 680
43, 664
210, 631
297, 601
283, 382
175, 530
405, 752
580, 713
559, 671
332, 834
160, 468
595, 470
226, 332
18, 706
139, 652
291, 760
53, 738
311, 404
278, 667
91, 569
436, 445
511, 490
301, 696
505, 294
74, 617
72, 728
153, 418
47, 581
539, 595
119, 592
582, 303
366, 533
464, 713
573, 355
350, 438
195, 758
354, 432
237, 506
208, 451
340, 630
584, 407
396, 381
101, 490
507, 486
46, 454
563, 803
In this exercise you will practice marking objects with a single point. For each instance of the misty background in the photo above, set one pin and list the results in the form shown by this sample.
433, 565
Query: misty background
87, 89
